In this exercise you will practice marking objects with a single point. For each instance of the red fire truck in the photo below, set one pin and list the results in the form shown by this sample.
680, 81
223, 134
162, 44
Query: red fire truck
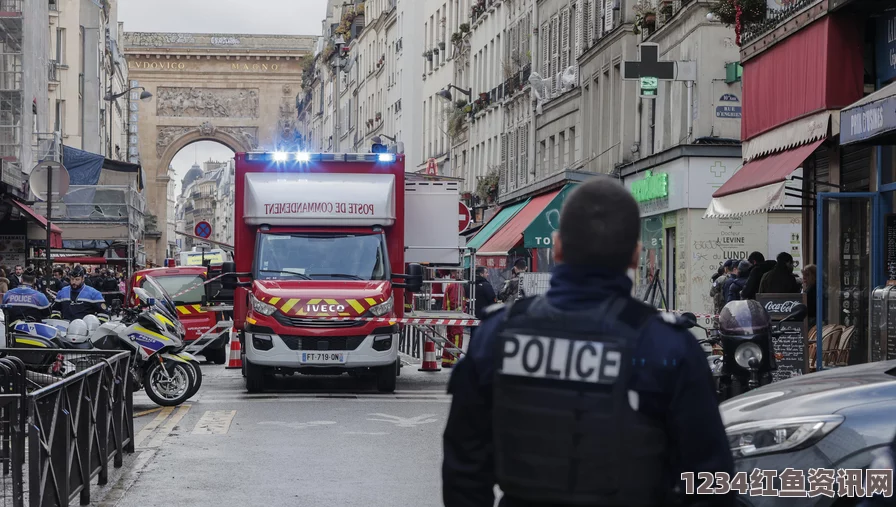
320, 240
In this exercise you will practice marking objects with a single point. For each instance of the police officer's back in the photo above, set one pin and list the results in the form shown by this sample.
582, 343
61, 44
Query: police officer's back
78, 300
25, 302
584, 396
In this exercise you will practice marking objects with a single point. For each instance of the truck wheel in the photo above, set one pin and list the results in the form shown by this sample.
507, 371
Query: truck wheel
386, 377
256, 378
217, 356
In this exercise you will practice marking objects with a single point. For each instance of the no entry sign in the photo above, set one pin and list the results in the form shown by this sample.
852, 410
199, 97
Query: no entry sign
203, 229
465, 218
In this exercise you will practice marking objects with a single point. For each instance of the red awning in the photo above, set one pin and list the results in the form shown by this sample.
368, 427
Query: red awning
767, 170
55, 237
80, 260
511, 234
824, 68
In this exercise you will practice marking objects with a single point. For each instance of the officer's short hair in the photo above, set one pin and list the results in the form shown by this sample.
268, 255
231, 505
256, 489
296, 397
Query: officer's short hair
28, 278
482, 270
599, 225
520, 264
784, 258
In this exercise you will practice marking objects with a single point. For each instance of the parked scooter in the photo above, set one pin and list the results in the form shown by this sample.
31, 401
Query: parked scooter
748, 357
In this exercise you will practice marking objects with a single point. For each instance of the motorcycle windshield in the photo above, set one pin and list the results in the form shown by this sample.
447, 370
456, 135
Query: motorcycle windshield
164, 302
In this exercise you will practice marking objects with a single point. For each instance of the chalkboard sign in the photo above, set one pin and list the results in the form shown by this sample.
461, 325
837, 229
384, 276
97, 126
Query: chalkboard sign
890, 238
791, 347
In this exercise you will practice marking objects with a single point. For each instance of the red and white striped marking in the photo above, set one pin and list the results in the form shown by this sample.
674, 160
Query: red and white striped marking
388, 320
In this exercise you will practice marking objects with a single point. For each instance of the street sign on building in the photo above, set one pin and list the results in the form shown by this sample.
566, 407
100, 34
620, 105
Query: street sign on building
465, 218
203, 229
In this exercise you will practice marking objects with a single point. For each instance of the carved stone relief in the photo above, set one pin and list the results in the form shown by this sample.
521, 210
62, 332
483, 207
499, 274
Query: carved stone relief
165, 136
207, 102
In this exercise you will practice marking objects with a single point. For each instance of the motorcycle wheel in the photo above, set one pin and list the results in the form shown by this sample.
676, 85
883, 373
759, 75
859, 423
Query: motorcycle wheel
197, 375
169, 390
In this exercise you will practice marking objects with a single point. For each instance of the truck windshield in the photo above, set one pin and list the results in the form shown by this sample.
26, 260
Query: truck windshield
301, 256
174, 285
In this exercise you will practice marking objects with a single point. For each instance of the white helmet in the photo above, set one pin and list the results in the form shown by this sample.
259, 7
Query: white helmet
77, 332
92, 323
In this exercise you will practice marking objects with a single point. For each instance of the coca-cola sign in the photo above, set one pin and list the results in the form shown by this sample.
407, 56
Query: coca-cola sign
780, 306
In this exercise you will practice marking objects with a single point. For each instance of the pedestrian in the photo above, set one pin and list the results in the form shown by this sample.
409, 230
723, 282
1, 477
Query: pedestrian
16, 279
741, 277
511, 289
454, 302
759, 268
719, 290
810, 288
4, 282
583, 396
780, 280
484, 295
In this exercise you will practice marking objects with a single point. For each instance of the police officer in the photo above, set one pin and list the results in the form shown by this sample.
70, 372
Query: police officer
584, 396
25, 302
78, 300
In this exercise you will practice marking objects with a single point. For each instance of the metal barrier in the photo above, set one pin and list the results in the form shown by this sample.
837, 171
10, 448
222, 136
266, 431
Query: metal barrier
71, 427
410, 342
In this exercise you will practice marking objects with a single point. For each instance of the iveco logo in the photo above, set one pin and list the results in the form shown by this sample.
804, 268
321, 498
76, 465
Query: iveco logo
325, 308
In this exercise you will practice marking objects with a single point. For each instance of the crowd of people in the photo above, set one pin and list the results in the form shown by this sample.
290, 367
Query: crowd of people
102, 279
740, 280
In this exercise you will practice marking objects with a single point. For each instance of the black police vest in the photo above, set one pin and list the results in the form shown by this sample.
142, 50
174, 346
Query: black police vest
564, 430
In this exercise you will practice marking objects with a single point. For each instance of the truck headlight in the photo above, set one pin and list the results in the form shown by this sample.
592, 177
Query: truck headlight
779, 435
261, 307
382, 308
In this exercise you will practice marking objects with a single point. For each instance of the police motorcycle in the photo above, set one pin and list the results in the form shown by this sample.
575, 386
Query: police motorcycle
32, 336
745, 334
154, 337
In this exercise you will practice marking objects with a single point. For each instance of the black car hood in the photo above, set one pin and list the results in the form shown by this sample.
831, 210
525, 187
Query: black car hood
825, 392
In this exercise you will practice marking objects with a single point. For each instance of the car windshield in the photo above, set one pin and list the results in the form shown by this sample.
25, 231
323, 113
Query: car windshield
296, 256
174, 285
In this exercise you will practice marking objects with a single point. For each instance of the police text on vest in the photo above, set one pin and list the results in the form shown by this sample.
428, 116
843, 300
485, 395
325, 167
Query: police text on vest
561, 359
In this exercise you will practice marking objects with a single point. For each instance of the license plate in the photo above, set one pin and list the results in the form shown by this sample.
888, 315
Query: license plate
323, 357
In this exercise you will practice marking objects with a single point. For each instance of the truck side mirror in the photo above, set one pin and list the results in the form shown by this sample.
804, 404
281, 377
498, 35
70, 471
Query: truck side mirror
415, 278
228, 281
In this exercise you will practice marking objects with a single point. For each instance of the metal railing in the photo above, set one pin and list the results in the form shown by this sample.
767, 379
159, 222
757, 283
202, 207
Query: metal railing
12, 5
101, 203
53, 71
58, 438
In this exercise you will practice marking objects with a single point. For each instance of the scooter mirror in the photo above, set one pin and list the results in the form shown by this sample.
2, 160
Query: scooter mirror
799, 313
690, 319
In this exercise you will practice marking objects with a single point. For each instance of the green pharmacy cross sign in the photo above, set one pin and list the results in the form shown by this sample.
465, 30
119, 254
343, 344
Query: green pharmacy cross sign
653, 186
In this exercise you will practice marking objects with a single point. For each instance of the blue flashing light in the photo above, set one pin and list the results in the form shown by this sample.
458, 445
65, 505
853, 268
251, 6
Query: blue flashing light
281, 156
387, 157
303, 157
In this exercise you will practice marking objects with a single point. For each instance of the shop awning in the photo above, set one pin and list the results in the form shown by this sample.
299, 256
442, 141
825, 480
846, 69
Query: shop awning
492, 226
55, 232
511, 235
871, 120
80, 260
538, 233
759, 186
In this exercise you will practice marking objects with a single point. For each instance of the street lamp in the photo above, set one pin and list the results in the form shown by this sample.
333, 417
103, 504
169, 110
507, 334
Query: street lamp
145, 96
445, 93
338, 42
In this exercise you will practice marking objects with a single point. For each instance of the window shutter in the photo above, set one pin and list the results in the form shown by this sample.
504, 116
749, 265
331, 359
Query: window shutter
524, 153
545, 50
555, 46
578, 21
564, 40
503, 167
608, 15
511, 156
587, 25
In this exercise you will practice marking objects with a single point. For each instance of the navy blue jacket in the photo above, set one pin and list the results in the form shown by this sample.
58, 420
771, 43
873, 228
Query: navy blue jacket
24, 302
674, 386
78, 303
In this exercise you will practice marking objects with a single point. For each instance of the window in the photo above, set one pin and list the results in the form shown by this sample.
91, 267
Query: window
321, 257
60, 45
176, 284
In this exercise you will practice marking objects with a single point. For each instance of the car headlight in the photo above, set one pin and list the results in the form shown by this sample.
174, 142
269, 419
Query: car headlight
779, 435
745, 352
261, 307
382, 308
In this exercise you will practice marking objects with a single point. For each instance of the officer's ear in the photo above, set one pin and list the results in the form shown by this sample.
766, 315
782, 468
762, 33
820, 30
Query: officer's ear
636, 256
558, 247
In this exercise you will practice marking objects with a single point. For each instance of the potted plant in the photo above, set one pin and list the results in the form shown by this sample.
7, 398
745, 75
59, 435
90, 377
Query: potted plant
442, 46
428, 54
456, 38
752, 11
435, 51
645, 15
464, 27
379, 116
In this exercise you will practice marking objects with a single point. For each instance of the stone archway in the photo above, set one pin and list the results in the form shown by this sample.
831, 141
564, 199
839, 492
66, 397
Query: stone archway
238, 90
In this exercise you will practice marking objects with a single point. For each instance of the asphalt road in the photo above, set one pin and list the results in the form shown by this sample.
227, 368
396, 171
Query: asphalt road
311, 441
